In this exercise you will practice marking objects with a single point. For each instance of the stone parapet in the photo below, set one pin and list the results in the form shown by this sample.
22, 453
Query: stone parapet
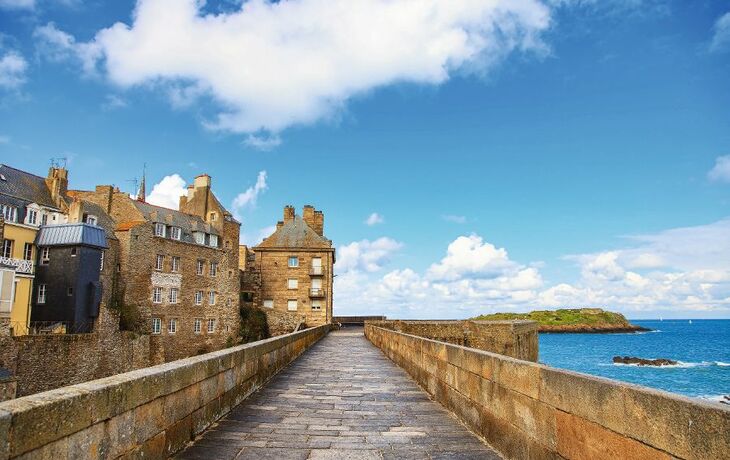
517, 339
528, 410
147, 413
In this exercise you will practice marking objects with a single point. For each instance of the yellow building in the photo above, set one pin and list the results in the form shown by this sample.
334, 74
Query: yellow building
27, 201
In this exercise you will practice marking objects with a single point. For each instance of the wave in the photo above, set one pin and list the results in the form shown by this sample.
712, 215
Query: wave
679, 365
715, 398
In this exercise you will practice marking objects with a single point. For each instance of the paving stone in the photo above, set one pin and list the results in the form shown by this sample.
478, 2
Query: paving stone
341, 399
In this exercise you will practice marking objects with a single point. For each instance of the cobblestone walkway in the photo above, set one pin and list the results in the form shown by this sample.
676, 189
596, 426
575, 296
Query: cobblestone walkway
342, 399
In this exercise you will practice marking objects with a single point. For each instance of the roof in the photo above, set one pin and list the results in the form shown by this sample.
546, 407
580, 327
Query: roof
295, 234
188, 223
71, 235
103, 219
129, 224
26, 186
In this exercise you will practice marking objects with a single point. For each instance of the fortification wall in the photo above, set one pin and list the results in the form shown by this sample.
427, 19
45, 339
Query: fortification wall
147, 413
517, 339
527, 410
282, 322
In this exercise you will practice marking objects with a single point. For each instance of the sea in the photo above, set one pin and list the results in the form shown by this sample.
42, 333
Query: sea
701, 348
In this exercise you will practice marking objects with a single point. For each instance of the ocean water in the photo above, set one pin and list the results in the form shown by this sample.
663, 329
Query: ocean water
702, 349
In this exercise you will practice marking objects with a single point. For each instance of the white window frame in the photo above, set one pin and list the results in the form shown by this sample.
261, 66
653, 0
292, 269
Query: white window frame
292, 283
160, 229
156, 294
291, 302
213, 241
28, 255
316, 305
269, 303
91, 219
198, 297
172, 326
211, 325
42, 293
175, 233
45, 255
197, 326
9, 212
200, 267
213, 269
32, 217
175, 264
156, 326
101, 265
159, 262
294, 259
199, 237
211, 298
174, 295
7, 249
7, 290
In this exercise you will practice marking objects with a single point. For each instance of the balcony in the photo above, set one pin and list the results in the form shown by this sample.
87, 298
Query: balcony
316, 293
316, 271
21, 265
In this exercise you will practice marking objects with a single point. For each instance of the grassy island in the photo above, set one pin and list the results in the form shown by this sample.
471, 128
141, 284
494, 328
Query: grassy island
572, 320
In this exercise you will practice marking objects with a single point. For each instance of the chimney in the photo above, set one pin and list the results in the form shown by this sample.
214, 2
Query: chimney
107, 191
309, 215
319, 223
57, 183
288, 213
202, 180
279, 225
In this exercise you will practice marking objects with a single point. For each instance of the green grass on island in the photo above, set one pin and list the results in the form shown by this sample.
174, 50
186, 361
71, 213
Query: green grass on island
570, 320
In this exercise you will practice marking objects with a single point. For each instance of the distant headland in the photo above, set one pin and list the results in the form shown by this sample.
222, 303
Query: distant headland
583, 320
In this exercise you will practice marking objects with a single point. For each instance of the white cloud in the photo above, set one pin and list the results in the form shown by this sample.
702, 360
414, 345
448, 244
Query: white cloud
112, 101
262, 142
470, 257
257, 237
12, 70
271, 65
17, 4
168, 191
721, 34
374, 219
454, 219
721, 171
57, 45
248, 198
365, 255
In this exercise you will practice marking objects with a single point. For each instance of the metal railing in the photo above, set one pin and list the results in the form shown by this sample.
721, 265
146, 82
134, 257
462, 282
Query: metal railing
316, 271
316, 292
20, 265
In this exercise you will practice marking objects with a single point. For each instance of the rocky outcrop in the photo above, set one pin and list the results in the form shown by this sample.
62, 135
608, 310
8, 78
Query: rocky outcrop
597, 328
643, 362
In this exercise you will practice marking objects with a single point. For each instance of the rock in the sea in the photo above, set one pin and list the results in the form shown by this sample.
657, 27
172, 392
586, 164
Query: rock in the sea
725, 400
642, 361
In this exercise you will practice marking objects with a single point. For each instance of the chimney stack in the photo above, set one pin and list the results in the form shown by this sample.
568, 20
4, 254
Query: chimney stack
288, 213
309, 215
57, 183
279, 225
319, 223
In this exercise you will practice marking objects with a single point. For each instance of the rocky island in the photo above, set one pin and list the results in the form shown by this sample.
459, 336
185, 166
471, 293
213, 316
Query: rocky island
583, 320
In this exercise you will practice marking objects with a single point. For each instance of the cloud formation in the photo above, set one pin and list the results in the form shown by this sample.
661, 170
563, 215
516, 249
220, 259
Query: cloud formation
374, 219
168, 191
721, 34
248, 198
454, 219
262, 142
365, 255
17, 4
271, 65
12, 70
721, 171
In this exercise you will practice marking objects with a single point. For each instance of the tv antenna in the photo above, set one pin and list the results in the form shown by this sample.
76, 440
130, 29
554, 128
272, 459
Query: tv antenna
135, 182
59, 162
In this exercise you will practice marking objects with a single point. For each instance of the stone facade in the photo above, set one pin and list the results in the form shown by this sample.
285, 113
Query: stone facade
296, 267
517, 339
527, 410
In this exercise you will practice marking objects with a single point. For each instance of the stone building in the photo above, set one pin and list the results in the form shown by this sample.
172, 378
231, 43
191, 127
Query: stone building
178, 269
295, 266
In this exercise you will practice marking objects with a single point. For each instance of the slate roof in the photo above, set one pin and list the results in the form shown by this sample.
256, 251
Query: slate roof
71, 235
295, 234
188, 223
103, 219
25, 186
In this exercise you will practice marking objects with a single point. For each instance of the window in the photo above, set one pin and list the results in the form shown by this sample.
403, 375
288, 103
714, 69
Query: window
70, 291
268, 303
199, 237
159, 262
316, 266
157, 295
291, 305
73, 252
196, 325
172, 326
10, 213
175, 233
156, 325
41, 293
213, 268
213, 216
198, 297
247, 296
44, 219
211, 298
211, 326
45, 256
7, 249
175, 263
173, 295
199, 267
293, 262
316, 305
90, 219
160, 229
101, 266
28, 251
32, 216
292, 283
213, 241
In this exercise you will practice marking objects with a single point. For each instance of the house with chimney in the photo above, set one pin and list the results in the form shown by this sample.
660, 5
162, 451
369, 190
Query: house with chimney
294, 267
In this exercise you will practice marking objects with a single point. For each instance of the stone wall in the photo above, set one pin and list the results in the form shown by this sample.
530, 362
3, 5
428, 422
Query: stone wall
283, 322
527, 410
517, 339
147, 413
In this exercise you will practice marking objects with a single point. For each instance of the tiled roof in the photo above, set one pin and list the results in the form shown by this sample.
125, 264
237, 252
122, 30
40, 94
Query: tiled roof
126, 225
26, 186
295, 234
71, 235
103, 219
188, 223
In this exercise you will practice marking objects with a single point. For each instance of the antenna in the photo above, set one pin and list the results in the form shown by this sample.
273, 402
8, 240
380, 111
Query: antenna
59, 162
135, 182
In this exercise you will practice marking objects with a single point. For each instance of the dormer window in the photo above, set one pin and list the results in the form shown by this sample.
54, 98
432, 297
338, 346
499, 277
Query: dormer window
175, 233
199, 237
160, 229
213, 216
90, 219
32, 217
10, 213
213, 241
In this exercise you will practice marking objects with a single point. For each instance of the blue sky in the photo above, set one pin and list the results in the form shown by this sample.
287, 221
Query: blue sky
578, 156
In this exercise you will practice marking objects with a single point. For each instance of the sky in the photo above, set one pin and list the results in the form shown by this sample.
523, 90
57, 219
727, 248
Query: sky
470, 156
